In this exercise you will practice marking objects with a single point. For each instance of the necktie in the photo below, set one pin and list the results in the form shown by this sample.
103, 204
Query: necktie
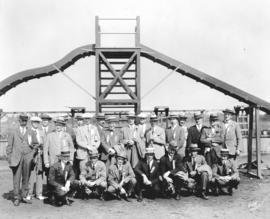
193, 164
34, 137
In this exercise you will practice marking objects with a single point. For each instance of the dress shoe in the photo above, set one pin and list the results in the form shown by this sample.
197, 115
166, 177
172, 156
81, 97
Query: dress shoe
230, 191
204, 196
40, 197
216, 192
25, 200
67, 202
140, 198
177, 197
16, 202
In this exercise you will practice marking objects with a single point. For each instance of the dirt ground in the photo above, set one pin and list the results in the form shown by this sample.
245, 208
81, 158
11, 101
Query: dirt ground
251, 200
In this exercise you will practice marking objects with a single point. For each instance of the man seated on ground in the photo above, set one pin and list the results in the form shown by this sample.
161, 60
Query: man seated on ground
62, 178
198, 170
121, 178
93, 176
170, 164
225, 174
147, 175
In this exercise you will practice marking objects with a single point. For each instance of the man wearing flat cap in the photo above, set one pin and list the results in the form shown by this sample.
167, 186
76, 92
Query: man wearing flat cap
212, 139
194, 133
93, 176
121, 178
19, 155
147, 175
233, 136
225, 174
155, 137
176, 133
170, 164
36, 138
130, 139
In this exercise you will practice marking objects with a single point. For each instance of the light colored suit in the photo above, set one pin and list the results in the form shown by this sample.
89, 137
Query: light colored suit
53, 145
158, 135
232, 137
177, 134
142, 135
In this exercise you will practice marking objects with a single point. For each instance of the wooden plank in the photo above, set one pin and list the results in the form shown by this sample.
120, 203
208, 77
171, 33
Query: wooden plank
250, 135
258, 143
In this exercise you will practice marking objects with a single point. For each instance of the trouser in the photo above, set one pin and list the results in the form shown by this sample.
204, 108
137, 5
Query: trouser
152, 190
202, 180
59, 194
76, 168
211, 157
36, 178
233, 183
175, 187
128, 186
22, 171
98, 188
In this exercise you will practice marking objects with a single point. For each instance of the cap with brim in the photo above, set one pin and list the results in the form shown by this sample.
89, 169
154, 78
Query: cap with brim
65, 154
142, 116
59, 122
224, 152
131, 115
100, 116
79, 117
194, 147
45, 117
213, 117
111, 119
149, 150
35, 119
87, 116
122, 154
182, 116
23, 117
153, 117
229, 111
173, 116
173, 145
198, 116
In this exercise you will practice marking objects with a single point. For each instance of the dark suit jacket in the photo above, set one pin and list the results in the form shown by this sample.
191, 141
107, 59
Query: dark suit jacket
58, 177
194, 136
166, 165
152, 174
17, 146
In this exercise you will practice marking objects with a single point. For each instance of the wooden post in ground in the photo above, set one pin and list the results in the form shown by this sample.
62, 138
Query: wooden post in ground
258, 142
250, 135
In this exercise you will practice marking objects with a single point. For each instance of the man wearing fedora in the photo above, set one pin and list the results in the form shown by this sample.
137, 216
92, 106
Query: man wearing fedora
176, 133
233, 136
20, 155
212, 139
197, 169
170, 164
130, 139
36, 139
110, 138
62, 178
147, 175
225, 174
46, 126
194, 133
155, 137
121, 178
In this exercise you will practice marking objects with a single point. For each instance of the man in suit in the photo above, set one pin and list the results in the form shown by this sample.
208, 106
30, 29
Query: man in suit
212, 139
36, 139
45, 124
93, 175
110, 138
194, 133
121, 178
130, 139
182, 124
143, 126
225, 174
87, 138
19, 155
176, 133
197, 169
147, 175
155, 137
101, 127
233, 136
69, 128
62, 178
170, 165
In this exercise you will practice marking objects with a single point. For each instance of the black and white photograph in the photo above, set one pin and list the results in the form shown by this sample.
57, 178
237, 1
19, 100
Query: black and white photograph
134, 109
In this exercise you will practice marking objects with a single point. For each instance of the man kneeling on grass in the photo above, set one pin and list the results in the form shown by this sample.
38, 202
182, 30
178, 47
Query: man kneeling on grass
93, 176
121, 177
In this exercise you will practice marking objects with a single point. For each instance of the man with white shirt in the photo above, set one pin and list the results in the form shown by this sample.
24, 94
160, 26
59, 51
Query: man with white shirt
45, 124
194, 133
36, 140
19, 155
233, 136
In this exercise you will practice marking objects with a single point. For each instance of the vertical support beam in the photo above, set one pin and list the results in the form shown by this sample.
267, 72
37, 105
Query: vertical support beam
250, 136
98, 87
97, 31
137, 30
258, 142
138, 81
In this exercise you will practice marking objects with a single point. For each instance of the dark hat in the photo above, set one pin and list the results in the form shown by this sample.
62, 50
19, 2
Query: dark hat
45, 117
23, 117
194, 147
198, 116
182, 116
79, 117
213, 117
122, 154
150, 150
93, 153
173, 116
60, 121
100, 116
65, 154
173, 145
229, 111
224, 152
112, 119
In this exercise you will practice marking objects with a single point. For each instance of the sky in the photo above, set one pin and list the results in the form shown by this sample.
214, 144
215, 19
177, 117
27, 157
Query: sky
229, 40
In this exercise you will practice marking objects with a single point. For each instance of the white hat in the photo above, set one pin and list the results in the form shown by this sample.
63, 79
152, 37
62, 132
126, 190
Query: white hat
87, 116
142, 115
35, 119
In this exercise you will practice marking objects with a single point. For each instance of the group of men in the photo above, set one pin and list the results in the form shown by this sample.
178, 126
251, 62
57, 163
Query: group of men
97, 158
